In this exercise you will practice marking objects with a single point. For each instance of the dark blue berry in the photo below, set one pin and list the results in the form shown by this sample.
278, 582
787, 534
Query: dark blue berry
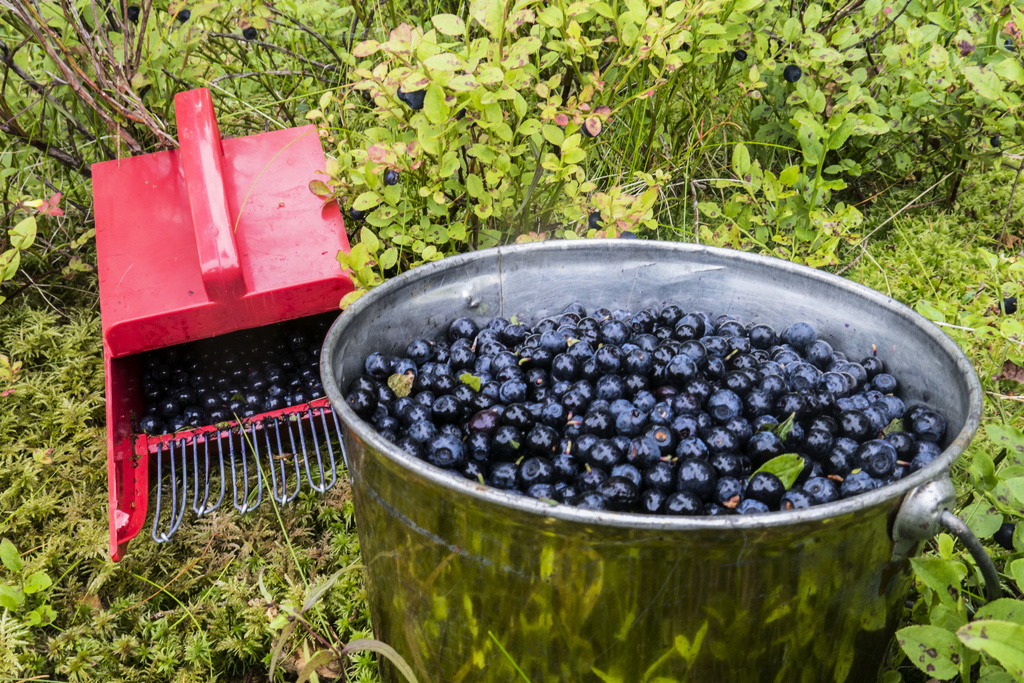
391, 177
740, 55
792, 73
250, 33
1004, 535
183, 16
594, 221
133, 14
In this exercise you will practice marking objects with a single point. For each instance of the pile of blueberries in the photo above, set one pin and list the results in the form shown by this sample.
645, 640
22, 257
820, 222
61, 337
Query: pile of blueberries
661, 411
232, 376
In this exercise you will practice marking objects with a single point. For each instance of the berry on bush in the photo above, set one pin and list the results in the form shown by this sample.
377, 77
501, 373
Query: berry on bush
183, 16
391, 177
594, 221
250, 33
133, 13
1010, 305
413, 99
740, 55
792, 73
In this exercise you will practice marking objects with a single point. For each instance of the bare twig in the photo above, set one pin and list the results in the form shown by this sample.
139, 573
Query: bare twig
246, 74
323, 41
271, 46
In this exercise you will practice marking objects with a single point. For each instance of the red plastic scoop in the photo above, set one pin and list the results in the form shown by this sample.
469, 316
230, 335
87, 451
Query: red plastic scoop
218, 236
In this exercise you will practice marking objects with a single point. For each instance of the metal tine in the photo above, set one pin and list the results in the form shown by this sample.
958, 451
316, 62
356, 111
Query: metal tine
316, 447
273, 469
259, 470
179, 513
159, 493
196, 508
295, 463
338, 432
220, 461
330, 448
234, 474
305, 456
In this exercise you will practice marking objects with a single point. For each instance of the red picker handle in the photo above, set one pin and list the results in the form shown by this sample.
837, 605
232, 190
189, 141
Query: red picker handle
203, 167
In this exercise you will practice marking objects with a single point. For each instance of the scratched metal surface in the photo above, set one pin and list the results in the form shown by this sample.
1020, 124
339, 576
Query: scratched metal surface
572, 595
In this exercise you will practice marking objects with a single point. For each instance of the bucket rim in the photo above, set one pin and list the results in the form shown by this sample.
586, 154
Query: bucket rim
365, 433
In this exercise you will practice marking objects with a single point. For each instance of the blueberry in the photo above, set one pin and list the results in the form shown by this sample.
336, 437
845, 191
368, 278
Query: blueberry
133, 14
792, 73
740, 55
622, 494
751, 506
767, 488
996, 140
356, 214
414, 99
250, 33
150, 424
927, 425
800, 335
698, 477
1010, 305
682, 503
590, 500
391, 177
1004, 535
821, 490
594, 221
627, 235
857, 483
183, 16
1010, 45
446, 451
795, 499
651, 501
504, 475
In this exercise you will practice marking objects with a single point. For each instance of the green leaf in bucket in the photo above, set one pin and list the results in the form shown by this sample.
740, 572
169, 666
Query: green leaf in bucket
787, 467
471, 381
1002, 640
931, 649
401, 384
783, 429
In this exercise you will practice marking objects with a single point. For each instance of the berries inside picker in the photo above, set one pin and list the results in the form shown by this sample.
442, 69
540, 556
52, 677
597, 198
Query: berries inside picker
656, 411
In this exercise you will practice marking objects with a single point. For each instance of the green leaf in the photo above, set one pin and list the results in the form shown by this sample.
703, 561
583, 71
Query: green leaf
389, 258
1011, 70
448, 24
982, 518
11, 597
929, 311
9, 556
367, 644
472, 381
985, 83
789, 176
942, 576
474, 185
740, 160
1017, 571
812, 15
318, 659
488, 14
278, 648
787, 467
350, 298
1010, 438
1003, 609
1002, 640
443, 61
811, 144
9, 262
1016, 487
24, 233
317, 592
931, 649
366, 201
553, 134
369, 241
36, 582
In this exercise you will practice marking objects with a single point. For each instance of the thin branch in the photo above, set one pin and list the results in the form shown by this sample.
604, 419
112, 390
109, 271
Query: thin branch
246, 74
323, 41
271, 46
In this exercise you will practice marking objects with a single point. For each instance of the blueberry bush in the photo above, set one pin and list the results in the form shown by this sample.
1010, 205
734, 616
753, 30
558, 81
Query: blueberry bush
877, 138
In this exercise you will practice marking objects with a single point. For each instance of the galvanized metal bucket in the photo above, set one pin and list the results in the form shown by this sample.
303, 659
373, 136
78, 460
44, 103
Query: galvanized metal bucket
473, 584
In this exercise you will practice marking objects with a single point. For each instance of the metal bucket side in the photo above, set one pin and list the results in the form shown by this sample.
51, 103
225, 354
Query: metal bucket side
455, 568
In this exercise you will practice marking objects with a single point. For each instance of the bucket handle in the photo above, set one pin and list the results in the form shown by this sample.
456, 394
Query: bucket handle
925, 511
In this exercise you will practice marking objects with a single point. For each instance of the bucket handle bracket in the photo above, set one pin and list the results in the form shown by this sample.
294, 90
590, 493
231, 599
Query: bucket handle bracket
928, 509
